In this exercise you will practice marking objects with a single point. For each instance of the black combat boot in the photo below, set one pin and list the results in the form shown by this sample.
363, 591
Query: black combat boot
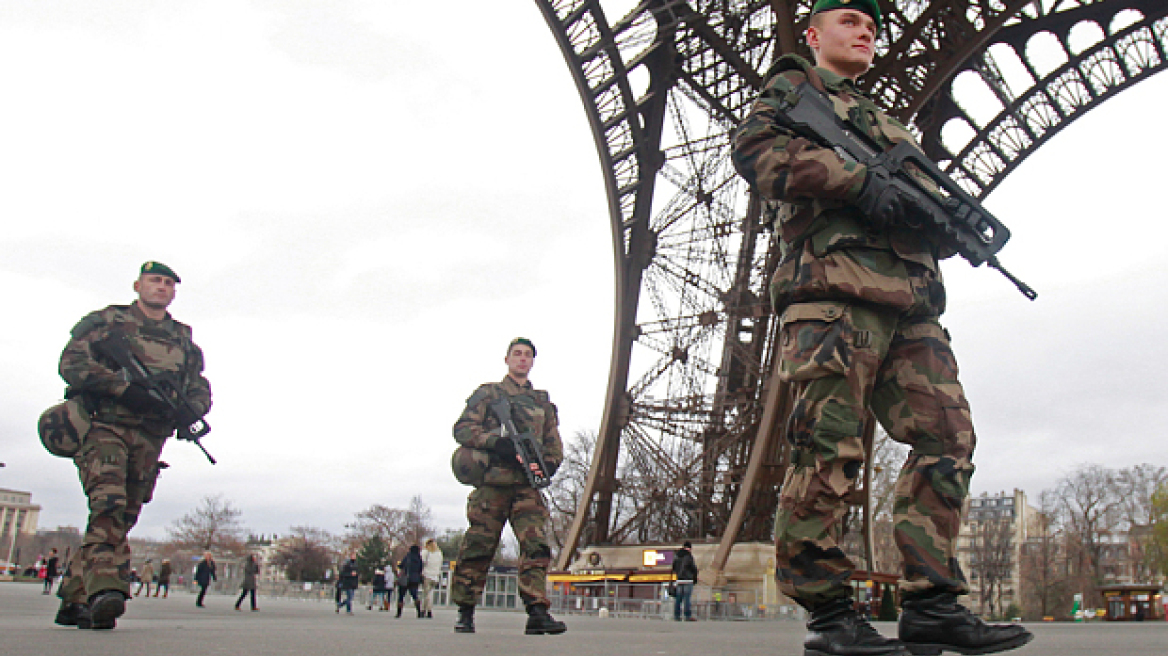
73, 614
540, 622
105, 608
399, 610
465, 623
936, 622
836, 629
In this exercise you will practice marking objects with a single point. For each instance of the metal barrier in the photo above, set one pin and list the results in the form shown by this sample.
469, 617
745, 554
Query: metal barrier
501, 591
652, 601
617, 598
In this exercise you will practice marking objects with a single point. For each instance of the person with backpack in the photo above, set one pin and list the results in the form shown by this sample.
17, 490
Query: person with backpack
686, 572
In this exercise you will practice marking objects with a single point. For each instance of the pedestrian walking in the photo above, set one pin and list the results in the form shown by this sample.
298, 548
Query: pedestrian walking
204, 574
487, 459
126, 424
251, 570
347, 584
146, 578
163, 579
51, 572
411, 575
431, 571
859, 295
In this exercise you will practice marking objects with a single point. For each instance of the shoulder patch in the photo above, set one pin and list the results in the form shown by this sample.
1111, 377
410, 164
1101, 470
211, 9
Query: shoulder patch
87, 324
543, 397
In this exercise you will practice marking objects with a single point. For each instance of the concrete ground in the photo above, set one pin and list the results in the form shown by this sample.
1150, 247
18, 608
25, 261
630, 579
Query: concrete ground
174, 627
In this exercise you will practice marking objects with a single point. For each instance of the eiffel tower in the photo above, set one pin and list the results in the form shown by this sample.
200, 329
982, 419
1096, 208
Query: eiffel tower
690, 441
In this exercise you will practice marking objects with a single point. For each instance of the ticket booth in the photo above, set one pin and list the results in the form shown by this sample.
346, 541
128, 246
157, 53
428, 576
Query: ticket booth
1133, 603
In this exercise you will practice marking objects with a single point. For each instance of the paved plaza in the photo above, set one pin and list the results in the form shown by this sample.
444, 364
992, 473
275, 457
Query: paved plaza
174, 627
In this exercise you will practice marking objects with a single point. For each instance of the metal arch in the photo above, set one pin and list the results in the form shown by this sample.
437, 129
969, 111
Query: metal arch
692, 329
1030, 117
630, 161
680, 260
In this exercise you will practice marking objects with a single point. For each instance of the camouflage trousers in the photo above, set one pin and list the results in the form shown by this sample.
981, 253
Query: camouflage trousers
840, 360
118, 467
488, 508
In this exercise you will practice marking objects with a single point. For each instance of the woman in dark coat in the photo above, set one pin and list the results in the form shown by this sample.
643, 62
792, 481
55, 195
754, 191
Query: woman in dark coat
51, 572
250, 569
204, 574
411, 576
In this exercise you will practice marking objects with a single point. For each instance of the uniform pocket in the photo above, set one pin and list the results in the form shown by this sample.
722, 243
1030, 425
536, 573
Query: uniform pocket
816, 341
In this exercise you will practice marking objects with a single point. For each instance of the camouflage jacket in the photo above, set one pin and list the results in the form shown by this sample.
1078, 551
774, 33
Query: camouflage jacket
162, 346
828, 248
531, 410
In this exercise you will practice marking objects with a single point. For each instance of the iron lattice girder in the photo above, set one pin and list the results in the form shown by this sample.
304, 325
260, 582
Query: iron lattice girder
1029, 117
692, 325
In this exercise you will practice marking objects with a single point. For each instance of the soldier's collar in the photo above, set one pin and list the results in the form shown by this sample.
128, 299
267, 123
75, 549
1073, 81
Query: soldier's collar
139, 314
510, 383
837, 82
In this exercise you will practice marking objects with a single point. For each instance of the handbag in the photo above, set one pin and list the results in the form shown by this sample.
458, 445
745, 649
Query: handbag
672, 589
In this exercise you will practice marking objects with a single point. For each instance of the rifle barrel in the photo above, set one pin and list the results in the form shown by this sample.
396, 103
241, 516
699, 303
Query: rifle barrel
1022, 287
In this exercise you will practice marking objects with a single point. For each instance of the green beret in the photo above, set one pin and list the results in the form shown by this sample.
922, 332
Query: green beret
160, 269
521, 340
867, 6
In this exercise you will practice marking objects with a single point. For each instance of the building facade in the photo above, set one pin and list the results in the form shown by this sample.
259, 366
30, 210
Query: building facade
18, 518
990, 549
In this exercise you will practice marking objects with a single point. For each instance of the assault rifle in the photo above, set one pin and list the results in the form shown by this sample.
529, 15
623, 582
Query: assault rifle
965, 225
163, 386
527, 450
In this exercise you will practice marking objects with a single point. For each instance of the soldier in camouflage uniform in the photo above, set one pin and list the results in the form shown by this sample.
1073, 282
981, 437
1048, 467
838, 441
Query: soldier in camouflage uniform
859, 293
118, 460
504, 493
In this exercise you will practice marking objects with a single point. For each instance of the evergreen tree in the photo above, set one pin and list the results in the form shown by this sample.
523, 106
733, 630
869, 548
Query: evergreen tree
373, 555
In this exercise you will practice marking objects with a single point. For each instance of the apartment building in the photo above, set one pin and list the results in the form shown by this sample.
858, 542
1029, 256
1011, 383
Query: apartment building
989, 548
18, 517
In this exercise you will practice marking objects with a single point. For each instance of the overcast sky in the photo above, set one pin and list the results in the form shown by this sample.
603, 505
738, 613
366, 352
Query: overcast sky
367, 200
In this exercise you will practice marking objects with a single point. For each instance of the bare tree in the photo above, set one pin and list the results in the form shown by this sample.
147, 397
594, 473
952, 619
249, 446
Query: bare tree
1044, 575
380, 521
213, 526
563, 495
888, 458
992, 558
306, 554
398, 527
419, 522
1136, 486
1092, 510
1159, 542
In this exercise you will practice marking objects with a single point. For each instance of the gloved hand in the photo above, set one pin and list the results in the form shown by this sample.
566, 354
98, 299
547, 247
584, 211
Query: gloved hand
505, 448
185, 417
140, 400
884, 204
